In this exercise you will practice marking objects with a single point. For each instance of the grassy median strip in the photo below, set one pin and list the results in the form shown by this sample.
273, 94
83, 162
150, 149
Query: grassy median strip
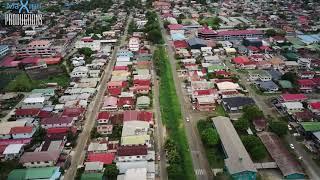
172, 118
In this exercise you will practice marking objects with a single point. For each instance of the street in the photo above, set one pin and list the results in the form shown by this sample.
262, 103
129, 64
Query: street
200, 163
92, 112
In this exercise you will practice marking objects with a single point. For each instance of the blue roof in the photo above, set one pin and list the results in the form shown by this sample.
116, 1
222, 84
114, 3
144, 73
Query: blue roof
268, 85
309, 39
3, 46
196, 41
177, 36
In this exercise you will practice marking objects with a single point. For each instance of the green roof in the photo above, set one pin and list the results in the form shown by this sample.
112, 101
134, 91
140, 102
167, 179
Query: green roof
285, 84
215, 68
137, 139
311, 126
91, 176
17, 174
32, 173
46, 91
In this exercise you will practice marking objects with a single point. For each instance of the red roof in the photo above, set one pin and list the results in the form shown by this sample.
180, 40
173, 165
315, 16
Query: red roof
30, 60
253, 48
125, 101
240, 60
103, 115
57, 130
114, 91
293, 97
180, 44
206, 30
266, 48
175, 26
44, 114
9, 61
132, 150
315, 105
106, 158
56, 120
138, 115
142, 82
27, 112
306, 82
15, 141
223, 73
204, 92
73, 112
120, 68
21, 130
52, 60
239, 32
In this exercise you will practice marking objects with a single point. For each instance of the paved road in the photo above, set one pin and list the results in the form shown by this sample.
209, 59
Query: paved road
310, 166
200, 163
92, 112
160, 133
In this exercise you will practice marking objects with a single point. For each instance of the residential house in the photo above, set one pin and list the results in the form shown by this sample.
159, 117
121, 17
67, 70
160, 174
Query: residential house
104, 124
110, 103
268, 86
20, 132
93, 167
132, 153
33, 102
236, 104
292, 107
24, 113
81, 71
292, 98
134, 44
259, 75
97, 147
13, 151
314, 107
306, 85
35, 173
57, 121
143, 102
39, 159
105, 158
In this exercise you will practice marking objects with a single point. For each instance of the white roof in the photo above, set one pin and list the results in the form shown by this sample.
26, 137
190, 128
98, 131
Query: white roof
293, 105
93, 166
136, 173
95, 146
34, 100
131, 128
228, 86
13, 149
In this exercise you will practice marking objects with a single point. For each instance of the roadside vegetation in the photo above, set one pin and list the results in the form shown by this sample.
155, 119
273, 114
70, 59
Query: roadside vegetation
152, 28
211, 142
178, 154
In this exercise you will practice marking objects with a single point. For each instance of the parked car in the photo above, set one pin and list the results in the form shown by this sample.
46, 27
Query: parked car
291, 146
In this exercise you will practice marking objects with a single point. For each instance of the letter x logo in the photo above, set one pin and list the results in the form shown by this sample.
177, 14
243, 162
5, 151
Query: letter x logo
24, 6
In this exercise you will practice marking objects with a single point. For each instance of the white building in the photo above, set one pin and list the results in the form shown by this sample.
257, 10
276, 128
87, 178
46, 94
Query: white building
13, 151
134, 44
87, 42
33, 102
81, 71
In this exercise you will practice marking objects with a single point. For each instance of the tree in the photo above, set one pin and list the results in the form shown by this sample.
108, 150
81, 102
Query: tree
174, 171
155, 36
254, 146
94, 133
290, 76
278, 127
242, 124
270, 32
87, 52
252, 112
210, 136
111, 171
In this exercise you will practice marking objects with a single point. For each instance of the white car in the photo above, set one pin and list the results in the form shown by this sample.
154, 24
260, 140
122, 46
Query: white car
300, 158
289, 127
187, 119
296, 134
291, 146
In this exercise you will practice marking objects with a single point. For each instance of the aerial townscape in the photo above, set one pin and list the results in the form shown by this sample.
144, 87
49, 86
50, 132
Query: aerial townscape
160, 90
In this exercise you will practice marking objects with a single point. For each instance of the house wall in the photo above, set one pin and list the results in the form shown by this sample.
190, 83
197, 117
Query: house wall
24, 135
5, 136
39, 164
131, 158
46, 126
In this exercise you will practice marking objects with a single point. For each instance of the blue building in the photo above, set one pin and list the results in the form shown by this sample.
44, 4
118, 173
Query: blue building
4, 50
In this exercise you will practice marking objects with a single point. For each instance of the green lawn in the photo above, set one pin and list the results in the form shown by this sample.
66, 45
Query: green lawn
22, 83
171, 113
220, 111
